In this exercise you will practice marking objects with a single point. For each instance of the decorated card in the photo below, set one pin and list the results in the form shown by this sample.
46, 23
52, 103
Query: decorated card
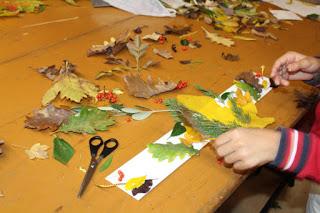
205, 118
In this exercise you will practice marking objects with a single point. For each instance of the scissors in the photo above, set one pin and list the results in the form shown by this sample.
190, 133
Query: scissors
108, 146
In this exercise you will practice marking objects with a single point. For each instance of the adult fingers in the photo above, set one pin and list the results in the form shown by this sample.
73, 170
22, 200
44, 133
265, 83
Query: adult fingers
287, 58
223, 138
227, 149
301, 76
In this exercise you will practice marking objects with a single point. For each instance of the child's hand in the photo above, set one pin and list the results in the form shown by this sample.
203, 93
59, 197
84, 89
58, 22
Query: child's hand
298, 67
248, 148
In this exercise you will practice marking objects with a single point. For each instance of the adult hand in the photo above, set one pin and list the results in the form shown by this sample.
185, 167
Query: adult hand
248, 148
298, 67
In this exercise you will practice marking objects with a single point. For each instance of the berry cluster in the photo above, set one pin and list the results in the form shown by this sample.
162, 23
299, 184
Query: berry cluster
181, 85
109, 96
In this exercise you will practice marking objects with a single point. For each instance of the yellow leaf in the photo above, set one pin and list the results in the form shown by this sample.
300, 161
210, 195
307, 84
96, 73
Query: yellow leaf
37, 151
135, 182
191, 136
71, 87
241, 99
211, 110
214, 37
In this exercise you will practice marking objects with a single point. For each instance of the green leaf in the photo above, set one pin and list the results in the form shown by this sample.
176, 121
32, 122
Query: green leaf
206, 92
246, 87
62, 150
141, 115
170, 151
106, 164
88, 120
225, 95
130, 110
178, 129
313, 16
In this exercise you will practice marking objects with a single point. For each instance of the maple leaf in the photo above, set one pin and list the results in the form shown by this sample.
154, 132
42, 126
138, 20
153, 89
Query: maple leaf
37, 151
145, 89
163, 53
137, 49
70, 86
89, 120
170, 151
49, 117
214, 37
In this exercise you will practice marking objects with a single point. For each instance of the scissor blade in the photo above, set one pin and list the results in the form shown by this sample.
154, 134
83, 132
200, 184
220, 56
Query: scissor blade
87, 177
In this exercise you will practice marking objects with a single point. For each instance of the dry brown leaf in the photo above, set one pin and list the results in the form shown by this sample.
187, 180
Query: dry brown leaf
49, 117
163, 53
114, 60
37, 151
249, 78
52, 72
110, 48
230, 57
152, 37
150, 63
263, 34
146, 89
177, 30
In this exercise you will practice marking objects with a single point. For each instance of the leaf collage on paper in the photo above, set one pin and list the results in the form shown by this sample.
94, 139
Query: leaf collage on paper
178, 129
247, 87
68, 85
170, 151
251, 79
206, 92
49, 117
214, 37
88, 120
37, 151
146, 89
62, 150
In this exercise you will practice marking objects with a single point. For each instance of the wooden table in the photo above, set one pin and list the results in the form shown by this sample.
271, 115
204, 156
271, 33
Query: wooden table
200, 185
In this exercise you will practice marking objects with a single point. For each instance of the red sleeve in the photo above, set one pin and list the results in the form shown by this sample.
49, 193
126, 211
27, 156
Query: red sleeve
299, 153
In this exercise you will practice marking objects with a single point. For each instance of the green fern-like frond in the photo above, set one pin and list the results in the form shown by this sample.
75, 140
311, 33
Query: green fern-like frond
239, 113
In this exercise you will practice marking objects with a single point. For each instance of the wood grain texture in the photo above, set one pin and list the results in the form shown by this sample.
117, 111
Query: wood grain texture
200, 185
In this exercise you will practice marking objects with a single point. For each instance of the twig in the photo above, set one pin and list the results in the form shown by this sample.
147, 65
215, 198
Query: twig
50, 22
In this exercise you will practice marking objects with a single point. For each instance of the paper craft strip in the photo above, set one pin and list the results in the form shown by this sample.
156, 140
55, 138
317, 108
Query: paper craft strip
144, 165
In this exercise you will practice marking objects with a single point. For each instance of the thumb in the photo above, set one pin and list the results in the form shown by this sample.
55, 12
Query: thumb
301, 65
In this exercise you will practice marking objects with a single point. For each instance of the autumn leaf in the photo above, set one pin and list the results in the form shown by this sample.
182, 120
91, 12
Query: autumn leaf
150, 63
89, 120
119, 61
50, 72
70, 86
144, 188
152, 37
230, 57
178, 129
135, 182
71, 2
214, 37
146, 89
251, 79
137, 49
247, 87
163, 53
37, 151
244, 38
112, 72
177, 30
50, 117
106, 164
62, 150
263, 34
170, 151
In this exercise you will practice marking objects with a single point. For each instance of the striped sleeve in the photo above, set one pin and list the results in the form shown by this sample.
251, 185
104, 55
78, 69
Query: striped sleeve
299, 153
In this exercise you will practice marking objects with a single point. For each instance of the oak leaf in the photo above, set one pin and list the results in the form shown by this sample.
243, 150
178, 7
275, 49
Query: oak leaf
37, 151
145, 89
214, 37
49, 117
89, 120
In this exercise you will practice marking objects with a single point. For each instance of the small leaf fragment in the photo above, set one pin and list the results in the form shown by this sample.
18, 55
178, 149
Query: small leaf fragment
141, 115
178, 129
106, 164
163, 53
62, 150
214, 37
37, 151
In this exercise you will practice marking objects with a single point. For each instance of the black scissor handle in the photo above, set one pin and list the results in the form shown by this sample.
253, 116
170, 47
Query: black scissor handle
95, 147
113, 144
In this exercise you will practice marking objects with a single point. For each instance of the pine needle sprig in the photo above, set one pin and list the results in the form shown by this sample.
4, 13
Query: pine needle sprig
239, 113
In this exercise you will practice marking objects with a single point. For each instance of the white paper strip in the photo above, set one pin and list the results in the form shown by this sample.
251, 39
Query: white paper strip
298, 7
144, 165
285, 15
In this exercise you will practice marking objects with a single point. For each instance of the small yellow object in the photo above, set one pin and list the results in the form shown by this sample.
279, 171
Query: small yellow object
191, 136
135, 182
262, 69
241, 99
265, 84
